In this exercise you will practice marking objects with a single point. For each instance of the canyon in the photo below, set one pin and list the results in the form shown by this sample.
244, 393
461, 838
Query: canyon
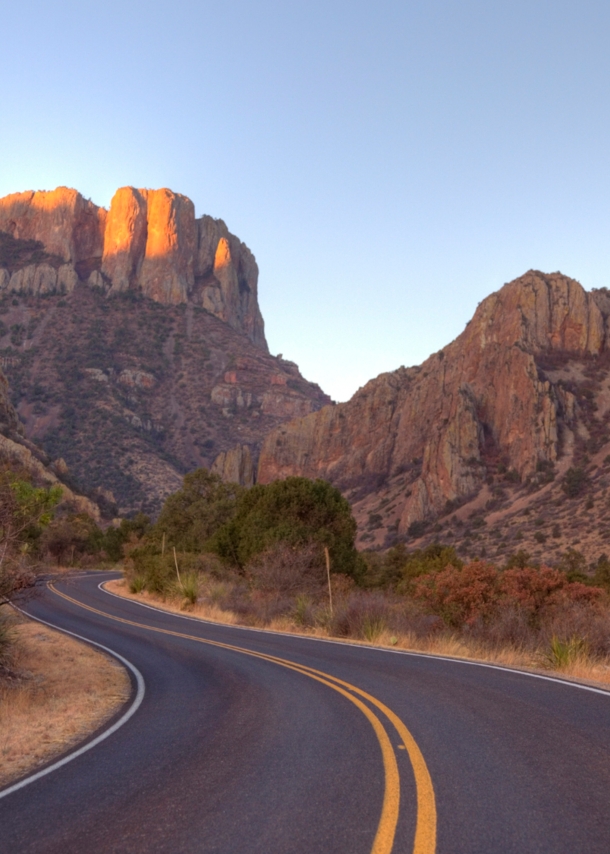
135, 350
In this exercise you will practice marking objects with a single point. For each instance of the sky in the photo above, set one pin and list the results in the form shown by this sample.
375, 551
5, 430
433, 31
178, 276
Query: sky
389, 163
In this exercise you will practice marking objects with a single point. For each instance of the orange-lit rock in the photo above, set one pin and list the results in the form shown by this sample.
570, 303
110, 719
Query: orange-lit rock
125, 238
167, 270
148, 241
67, 224
228, 274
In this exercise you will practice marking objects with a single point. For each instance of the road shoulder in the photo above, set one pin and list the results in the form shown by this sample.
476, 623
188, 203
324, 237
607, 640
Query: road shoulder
57, 692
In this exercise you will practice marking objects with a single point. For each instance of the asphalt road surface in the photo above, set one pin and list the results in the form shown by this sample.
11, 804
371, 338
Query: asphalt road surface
250, 741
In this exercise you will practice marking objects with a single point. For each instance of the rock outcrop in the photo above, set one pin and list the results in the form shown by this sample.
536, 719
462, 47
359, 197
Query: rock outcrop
235, 466
148, 241
428, 437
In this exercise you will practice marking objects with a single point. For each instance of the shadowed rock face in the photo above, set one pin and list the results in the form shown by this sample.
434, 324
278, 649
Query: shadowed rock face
436, 429
149, 241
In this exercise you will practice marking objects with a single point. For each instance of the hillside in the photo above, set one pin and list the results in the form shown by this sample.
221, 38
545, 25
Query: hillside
498, 442
18, 453
134, 345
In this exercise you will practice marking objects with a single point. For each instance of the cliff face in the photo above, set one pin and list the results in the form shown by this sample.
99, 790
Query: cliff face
149, 241
423, 440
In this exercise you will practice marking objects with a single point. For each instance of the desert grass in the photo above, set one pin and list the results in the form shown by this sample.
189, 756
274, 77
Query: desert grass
55, 692
579, 667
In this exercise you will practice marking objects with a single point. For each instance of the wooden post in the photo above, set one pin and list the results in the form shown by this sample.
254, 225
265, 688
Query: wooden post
330, 590
177, 570
163, 545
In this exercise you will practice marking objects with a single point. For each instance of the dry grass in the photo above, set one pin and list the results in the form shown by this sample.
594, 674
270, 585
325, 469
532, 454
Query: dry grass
61, 691
583, 668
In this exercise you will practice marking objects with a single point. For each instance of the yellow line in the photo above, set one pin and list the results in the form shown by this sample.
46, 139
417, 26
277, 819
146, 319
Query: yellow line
425, 831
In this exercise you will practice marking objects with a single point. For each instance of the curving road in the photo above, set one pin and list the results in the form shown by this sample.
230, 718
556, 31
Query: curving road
248, 741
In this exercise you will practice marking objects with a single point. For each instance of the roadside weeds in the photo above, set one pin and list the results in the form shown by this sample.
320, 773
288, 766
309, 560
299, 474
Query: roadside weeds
579, 668
54, 693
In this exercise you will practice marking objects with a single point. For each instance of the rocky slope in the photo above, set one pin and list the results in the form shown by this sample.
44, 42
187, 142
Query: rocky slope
484, 429
17, 452
148, 242
134, 344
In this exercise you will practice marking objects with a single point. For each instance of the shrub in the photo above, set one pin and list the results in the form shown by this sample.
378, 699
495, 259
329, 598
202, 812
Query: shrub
479, 592
460, 596
194, 513
25, 511
189, 586
289, 570
297, 511
574, 482
137, 584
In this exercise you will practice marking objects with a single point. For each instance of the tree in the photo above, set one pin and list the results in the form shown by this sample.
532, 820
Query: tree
297, 511
193, 514
25, 510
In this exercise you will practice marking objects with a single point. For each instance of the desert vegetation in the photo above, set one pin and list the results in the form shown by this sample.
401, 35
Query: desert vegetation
257, 557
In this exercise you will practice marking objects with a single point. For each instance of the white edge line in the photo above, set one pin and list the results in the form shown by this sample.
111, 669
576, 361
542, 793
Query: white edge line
503, 668
102, 736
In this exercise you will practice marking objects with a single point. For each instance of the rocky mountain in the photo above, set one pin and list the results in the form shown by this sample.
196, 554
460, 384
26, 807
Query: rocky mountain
134, 344
496, 442
148, 242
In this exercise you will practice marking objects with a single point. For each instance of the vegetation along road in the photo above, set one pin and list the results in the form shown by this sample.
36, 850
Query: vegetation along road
250, 741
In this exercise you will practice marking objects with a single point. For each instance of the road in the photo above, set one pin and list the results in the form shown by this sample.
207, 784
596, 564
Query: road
250, 741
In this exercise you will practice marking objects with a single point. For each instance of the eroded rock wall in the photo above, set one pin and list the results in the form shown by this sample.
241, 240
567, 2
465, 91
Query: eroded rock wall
438, 426
148, 241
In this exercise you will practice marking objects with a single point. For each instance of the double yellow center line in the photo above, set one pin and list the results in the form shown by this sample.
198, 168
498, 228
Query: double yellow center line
425, 828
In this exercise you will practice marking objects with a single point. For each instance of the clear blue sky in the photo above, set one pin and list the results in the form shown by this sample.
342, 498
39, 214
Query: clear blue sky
389, 163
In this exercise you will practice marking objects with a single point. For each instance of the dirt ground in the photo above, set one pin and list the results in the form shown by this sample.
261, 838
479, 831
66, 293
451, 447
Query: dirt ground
54, 692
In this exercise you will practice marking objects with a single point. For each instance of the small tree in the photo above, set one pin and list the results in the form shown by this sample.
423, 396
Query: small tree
297, 511
25, 510
193, 514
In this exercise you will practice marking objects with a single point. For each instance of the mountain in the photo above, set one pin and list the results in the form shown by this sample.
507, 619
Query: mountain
499, 441
134, 344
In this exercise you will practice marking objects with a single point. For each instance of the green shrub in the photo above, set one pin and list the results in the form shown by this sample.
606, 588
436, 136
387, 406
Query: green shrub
137, 584
297, 511
195, 513
574, 482
372, 627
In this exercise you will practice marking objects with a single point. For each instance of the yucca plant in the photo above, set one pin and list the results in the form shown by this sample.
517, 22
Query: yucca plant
137, 584
562, 653
189, 587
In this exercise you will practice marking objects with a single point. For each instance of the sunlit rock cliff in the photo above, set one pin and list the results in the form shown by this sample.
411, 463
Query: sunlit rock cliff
149, 241
134, 345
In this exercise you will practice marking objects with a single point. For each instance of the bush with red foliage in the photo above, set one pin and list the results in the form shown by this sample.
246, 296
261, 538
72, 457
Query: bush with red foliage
543, 589
460, 596
479, 592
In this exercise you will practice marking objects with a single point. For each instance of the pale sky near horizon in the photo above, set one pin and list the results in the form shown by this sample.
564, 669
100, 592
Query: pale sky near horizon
389, 164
